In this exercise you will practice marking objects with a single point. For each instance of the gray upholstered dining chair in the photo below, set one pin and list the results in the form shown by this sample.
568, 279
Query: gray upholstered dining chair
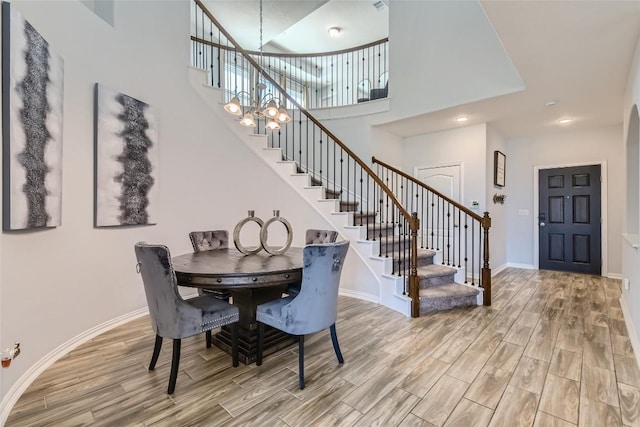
174, 317
315, 308
313, 236
320, 236
209, 241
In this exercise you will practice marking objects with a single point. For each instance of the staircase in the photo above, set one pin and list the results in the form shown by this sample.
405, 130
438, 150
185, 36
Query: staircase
384, 236
438, 287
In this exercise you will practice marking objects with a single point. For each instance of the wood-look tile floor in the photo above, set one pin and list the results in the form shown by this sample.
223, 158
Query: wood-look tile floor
553, 350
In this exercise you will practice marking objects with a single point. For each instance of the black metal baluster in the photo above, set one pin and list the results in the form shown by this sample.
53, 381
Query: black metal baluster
479, 255
448, 233
374, 207
473, 256
211, 52
361, 194
459, 236
219, 50
438, 226
423, 225
341, 172
320, 155
386, 217
466, 248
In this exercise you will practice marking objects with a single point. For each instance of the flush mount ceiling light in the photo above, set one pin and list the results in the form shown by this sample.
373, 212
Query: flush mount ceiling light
462, 119
334, 32
565, 121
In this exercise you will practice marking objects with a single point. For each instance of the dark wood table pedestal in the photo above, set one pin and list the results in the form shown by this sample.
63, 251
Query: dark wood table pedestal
247, 300
252, 280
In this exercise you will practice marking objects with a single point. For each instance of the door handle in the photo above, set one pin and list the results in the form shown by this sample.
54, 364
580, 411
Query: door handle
542, 224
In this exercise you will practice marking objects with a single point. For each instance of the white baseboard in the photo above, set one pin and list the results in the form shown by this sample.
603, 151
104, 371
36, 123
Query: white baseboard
614, 276
525, 266
633, 336
21, 385
359, 295
495, 271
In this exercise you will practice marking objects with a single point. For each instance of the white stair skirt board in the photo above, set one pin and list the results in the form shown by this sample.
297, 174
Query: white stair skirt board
390, 288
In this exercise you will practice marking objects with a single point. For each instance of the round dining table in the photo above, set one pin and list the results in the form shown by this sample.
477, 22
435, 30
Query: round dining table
251, 280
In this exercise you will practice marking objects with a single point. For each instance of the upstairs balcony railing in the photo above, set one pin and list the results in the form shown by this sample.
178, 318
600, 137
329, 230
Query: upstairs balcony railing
314, 80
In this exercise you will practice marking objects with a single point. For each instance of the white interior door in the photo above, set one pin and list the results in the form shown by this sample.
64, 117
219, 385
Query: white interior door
439, 231
445, 179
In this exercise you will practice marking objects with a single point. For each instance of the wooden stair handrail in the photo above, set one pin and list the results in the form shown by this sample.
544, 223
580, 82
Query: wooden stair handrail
292, 55
410, 220
485, 223
463, 208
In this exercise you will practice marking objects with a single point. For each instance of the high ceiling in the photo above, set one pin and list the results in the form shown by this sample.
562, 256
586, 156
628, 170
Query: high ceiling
576, 53
302, 26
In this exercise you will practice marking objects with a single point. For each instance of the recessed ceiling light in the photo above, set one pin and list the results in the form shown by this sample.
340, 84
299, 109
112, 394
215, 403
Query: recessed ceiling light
334, 32
565, 121
462, 119
550, 103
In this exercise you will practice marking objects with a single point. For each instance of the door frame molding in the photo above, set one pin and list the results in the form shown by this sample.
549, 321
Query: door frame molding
444, 165
603, 210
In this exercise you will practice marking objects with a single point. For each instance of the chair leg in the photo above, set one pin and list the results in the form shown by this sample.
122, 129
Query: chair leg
175, 362
260, 343
336, 346
208, 333
156, 352
301, 361
234, 344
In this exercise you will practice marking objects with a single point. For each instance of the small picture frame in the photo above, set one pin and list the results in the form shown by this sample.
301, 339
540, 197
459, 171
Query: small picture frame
499, 168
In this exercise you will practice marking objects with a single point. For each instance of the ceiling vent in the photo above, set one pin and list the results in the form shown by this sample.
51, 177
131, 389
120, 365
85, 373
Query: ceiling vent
379, 5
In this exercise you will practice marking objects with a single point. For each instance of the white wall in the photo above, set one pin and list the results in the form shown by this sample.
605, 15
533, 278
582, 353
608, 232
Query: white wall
497, 211
454, 54
57, 283
564, 148
387, 147
631, 256
466, 145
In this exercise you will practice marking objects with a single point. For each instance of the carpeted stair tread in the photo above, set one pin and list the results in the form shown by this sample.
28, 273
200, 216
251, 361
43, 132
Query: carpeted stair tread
375, 230
331, 194
450, 290
363, 216
348, 206
425, 257
447, 296
435, 270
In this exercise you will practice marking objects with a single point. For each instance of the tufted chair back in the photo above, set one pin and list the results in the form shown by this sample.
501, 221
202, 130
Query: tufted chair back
208, 240
176, 318
171, 316
316, 306
320, 236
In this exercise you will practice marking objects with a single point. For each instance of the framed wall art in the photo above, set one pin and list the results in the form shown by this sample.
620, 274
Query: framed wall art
32, 100
499, 168
126, 160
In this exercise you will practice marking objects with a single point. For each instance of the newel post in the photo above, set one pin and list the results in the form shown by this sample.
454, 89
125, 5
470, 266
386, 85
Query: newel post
414, 285
486, 270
